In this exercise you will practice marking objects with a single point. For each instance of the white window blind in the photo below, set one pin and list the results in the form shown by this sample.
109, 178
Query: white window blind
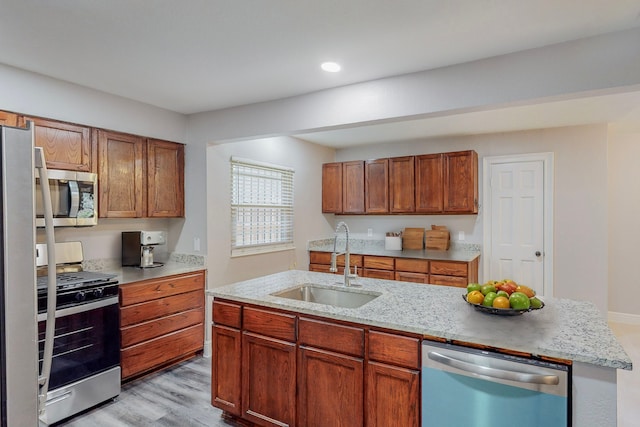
261, 207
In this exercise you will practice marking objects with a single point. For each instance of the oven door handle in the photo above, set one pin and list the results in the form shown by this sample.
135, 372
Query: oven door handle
47, 357
81, 308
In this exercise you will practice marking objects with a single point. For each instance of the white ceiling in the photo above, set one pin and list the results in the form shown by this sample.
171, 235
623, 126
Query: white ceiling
199, 55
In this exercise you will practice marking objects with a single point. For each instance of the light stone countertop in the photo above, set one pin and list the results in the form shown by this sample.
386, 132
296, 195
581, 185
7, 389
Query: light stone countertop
376, 247
565, 329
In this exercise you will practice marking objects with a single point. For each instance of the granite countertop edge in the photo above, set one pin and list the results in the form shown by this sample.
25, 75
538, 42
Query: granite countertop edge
564, 329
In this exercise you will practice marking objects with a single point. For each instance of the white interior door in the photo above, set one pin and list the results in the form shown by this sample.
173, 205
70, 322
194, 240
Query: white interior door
517, 222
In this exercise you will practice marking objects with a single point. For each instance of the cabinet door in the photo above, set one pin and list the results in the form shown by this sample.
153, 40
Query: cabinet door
331, 389
353, 187
405, 276
332, 188
66, 146
429, 183
461, 182
402, 197
226, 389
10, 119
121, 175
376, 177
378, 274
165, 190
268, 380
392, 396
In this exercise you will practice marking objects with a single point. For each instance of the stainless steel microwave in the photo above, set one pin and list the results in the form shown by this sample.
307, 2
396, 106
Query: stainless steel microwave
74, 198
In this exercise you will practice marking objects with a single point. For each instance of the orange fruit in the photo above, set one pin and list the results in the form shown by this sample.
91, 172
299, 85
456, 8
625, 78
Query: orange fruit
526, 290
501, 302
475, 297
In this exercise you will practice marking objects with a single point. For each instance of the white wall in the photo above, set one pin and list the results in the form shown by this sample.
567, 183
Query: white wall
624, 223
309, 223
580, 209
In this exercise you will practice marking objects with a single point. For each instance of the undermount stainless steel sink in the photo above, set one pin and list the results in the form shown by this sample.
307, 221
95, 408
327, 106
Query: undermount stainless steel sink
345, 298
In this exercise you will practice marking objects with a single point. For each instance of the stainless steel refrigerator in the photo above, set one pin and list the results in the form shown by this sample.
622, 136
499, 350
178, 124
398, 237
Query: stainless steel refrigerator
21, 382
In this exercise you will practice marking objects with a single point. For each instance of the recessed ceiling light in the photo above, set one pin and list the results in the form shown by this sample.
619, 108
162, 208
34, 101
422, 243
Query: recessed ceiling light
331, 67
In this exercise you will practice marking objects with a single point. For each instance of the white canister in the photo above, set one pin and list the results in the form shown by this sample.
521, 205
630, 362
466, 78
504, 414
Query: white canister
393, 243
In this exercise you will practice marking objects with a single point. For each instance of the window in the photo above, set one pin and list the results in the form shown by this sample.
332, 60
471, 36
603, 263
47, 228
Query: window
261, 207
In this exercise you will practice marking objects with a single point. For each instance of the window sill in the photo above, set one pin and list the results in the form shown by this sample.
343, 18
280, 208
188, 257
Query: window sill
236, 253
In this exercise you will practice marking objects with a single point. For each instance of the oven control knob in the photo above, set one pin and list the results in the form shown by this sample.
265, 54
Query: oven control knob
81, 296
98, 293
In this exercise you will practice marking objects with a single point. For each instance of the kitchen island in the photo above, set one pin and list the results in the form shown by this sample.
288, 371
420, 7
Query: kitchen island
563, 330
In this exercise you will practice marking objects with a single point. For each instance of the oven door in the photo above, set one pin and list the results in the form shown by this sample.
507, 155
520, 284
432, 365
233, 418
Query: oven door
87, 341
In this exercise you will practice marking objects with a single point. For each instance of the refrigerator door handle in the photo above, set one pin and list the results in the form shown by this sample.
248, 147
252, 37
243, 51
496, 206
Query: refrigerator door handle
47, 358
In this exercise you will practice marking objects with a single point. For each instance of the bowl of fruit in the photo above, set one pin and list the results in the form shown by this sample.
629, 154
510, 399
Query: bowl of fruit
505, 298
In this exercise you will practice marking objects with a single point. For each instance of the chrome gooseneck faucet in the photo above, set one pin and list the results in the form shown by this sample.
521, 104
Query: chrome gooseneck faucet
334, 255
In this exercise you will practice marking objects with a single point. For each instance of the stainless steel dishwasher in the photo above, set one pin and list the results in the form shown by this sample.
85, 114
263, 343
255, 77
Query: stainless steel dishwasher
463, 387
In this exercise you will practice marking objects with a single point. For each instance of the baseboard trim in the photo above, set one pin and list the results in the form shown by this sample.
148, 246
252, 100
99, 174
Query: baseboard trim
631, 319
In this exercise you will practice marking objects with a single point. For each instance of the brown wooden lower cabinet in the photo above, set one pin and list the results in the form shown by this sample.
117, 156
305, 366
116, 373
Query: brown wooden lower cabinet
407, 276
161, 322
378, 274
328, 374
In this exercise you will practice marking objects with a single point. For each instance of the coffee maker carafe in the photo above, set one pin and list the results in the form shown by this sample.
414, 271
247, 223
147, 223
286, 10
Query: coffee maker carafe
138, 246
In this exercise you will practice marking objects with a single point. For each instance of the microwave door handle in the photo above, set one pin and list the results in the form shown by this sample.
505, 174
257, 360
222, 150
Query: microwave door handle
47, 357
74, 192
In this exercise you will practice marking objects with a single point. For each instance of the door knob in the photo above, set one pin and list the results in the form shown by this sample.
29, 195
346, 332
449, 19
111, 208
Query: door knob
538, 253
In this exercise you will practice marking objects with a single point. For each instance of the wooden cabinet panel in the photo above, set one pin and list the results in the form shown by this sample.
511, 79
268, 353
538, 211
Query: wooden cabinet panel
405, 276
392, 396
226, 313
66, 146
11, 119
394, 349
121, 175
269, 323
268, 380
145, 356
330, 336
412, 265
460, 282
353, 187
325, 258
134, 334
378, 274
226, 388
376, 178
332, 188
165, 191
157, 308
320, 268
331, 389
148, 290
402, 197
379, 262
429, 183
449, 268
461, 182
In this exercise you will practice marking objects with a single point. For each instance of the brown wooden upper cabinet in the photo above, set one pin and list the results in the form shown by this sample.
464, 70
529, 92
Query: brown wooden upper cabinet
11, 119
165, 187
353, 187
376, 191
429, 183
121, 175
461, 182
66, 146
332, 188
139, 177
402, 196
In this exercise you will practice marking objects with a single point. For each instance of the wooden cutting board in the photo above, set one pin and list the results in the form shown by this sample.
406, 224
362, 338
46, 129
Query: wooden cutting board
438, 239
413, 238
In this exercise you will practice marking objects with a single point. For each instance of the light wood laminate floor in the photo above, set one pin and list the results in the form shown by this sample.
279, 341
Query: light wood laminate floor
179, 397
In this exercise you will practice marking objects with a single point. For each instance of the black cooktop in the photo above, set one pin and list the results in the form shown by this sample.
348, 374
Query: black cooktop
76, 280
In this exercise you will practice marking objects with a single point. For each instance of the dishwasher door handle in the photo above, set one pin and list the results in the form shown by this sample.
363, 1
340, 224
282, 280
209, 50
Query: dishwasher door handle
521, 377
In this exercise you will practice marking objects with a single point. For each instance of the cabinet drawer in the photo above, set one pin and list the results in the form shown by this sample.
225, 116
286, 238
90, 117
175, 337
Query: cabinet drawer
460, 282
448, 268
378, 274
394, 349
329, 336
160, 307
379, 262
320, 268
159, 351
404, 276
134, 293
225, 313
269, 323
412, 265
154, 328
325, 258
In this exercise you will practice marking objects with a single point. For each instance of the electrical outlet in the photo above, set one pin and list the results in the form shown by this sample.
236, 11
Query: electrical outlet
196, 244
460, 235
369, 232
